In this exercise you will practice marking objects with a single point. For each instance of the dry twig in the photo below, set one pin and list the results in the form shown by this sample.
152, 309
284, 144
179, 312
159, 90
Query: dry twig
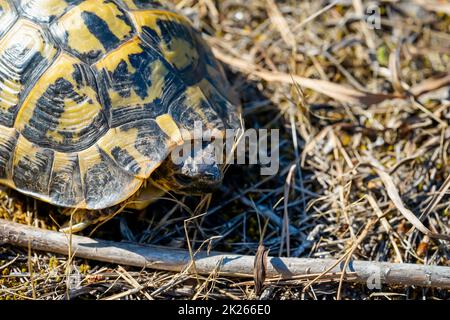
163, 258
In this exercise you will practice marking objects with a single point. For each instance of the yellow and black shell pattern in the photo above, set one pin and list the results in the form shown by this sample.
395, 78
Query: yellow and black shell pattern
94, 93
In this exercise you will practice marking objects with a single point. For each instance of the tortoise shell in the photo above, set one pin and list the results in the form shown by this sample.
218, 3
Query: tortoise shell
93, 94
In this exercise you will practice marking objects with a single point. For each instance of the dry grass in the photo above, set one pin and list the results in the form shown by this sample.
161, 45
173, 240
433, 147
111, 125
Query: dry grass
378, 149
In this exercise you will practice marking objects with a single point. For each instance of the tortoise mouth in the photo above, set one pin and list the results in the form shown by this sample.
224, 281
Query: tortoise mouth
189, 186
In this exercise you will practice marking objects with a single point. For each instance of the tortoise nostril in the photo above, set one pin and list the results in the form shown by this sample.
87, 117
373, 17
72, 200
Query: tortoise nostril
213, 173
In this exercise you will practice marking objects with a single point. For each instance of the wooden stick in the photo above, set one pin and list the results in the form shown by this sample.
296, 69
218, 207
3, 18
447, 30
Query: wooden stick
170, 259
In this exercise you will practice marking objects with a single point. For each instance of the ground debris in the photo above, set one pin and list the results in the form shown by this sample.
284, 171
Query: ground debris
333, 140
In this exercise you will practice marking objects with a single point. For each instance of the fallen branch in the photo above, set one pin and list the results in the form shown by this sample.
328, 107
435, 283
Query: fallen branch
164, 258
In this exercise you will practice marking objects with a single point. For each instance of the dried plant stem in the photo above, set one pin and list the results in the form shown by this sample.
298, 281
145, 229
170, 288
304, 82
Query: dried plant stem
164, 258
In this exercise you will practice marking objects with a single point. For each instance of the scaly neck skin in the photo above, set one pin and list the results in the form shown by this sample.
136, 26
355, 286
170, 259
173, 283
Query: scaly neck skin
148, 194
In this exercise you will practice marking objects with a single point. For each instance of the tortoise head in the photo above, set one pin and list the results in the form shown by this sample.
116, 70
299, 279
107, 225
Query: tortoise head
191, 169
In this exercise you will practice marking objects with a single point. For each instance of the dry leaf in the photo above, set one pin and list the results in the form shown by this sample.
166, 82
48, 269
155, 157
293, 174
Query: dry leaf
280, 23
395, 198
422, 249
394, 67
430, 84
335, 91
259, 268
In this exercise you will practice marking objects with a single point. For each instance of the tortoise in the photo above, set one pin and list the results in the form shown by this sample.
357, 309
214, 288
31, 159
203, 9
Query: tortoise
95, 95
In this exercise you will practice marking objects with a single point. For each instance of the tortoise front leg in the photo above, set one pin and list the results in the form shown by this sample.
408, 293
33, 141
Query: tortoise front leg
78, 227
145, 197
